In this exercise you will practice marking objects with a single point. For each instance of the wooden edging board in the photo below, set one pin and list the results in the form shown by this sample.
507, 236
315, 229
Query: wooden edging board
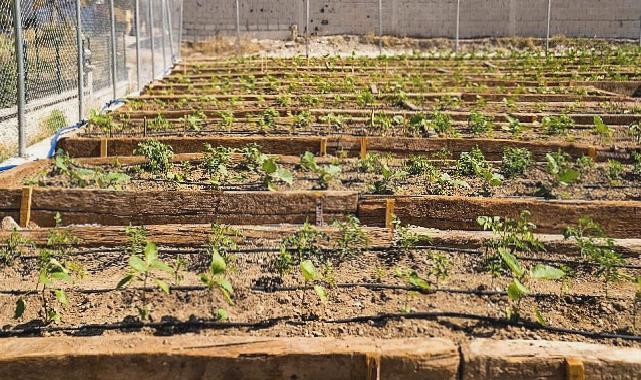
256, 358
111, 207
294, 146
620, 219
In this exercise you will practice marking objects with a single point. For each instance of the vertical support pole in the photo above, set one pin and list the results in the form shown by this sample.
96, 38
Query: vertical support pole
180, 30
639, 30
458, 25
17, 23
81, 64
163, 28
114, 79
307, 28
380, 27
137, 15
547, 33
171, 33
151, 37
238, 26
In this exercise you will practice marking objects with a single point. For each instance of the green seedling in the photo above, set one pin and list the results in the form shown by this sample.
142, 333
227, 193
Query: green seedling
14, 246
479, 123
312, 275
516, 161
614, 171
351, 240
326, 173
217, 161
557, 125
215, 278
559, 165
601, 129
146, 267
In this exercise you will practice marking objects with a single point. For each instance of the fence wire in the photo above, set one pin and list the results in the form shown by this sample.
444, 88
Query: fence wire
50, 58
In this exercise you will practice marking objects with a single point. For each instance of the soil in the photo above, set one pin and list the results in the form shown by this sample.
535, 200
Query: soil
574, 308
595, 183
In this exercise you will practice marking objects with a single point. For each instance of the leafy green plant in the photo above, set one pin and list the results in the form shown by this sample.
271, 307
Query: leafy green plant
103, 121
634, 131
216, 161
351, 240
305, 244
557, 125
267, 167
514, 126
440, 267
386, 183
479, 123
420, 165
326, 173
559, 164
516, 161
614, 171
414, 280
372, 163
215, 278
303, 119
158, 156
597, 248
601, 129
83, 177
267, 119
145, 267
312, 275
195, 120
222, 240
365, 98
14, 246
159, 123
473, 163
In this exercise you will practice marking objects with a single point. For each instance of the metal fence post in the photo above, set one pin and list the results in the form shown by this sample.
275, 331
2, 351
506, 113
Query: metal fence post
238, 25
153, 44
17, 24
81, 64
171, 34
162, 36
458, 24
137, 15
307, 28
547, 33
180, 30
380, 27
112, 16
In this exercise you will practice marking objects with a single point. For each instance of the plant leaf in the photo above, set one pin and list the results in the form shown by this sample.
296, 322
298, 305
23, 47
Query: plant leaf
61, 296
222, 315
308, 270
511, 262
546, 272
516, 290
417, 281
151, 251
124, 281
321, 293
160, 265
218, 265
137, 264
539, 317
162, 285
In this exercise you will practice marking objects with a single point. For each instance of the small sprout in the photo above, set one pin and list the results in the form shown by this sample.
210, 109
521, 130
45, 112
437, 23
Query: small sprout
557, 125
480, 124
215, 277
352, 239
601, 129
614, 171
326, 173
560, 166
311, 275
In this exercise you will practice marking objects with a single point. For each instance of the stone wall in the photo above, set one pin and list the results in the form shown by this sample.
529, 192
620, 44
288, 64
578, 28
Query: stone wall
417, 18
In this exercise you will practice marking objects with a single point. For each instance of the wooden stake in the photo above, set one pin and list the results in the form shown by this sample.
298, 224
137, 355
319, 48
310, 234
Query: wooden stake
592, 153
25, 206
574, 369
389, 214
363, 147
323, 146
103, 147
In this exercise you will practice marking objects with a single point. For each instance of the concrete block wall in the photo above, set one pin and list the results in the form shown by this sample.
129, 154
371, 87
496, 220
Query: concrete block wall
418, 18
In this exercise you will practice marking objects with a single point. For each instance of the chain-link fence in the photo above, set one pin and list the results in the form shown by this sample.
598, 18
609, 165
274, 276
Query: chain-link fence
125, 44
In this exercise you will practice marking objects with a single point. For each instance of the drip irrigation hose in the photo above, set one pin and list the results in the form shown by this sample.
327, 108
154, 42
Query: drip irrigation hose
175, 326
369, 286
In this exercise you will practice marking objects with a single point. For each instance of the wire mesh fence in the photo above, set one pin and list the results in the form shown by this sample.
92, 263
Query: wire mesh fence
115, 58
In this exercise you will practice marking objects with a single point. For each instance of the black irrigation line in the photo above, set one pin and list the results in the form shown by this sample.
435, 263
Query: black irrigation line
175, 326
365, 285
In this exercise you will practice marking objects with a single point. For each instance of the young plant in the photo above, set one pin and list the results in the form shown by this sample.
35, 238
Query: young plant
215, 278
473, 163
216, 161
420, 165
557, 125
559, 164
158, 156
267, 120
304, 244
415, 281
597, 248
14, 247
352, 240
326, 173
387, 182
312, 275
480, 124
266, 167
146, 267
614, 171
601, 129
516, 161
